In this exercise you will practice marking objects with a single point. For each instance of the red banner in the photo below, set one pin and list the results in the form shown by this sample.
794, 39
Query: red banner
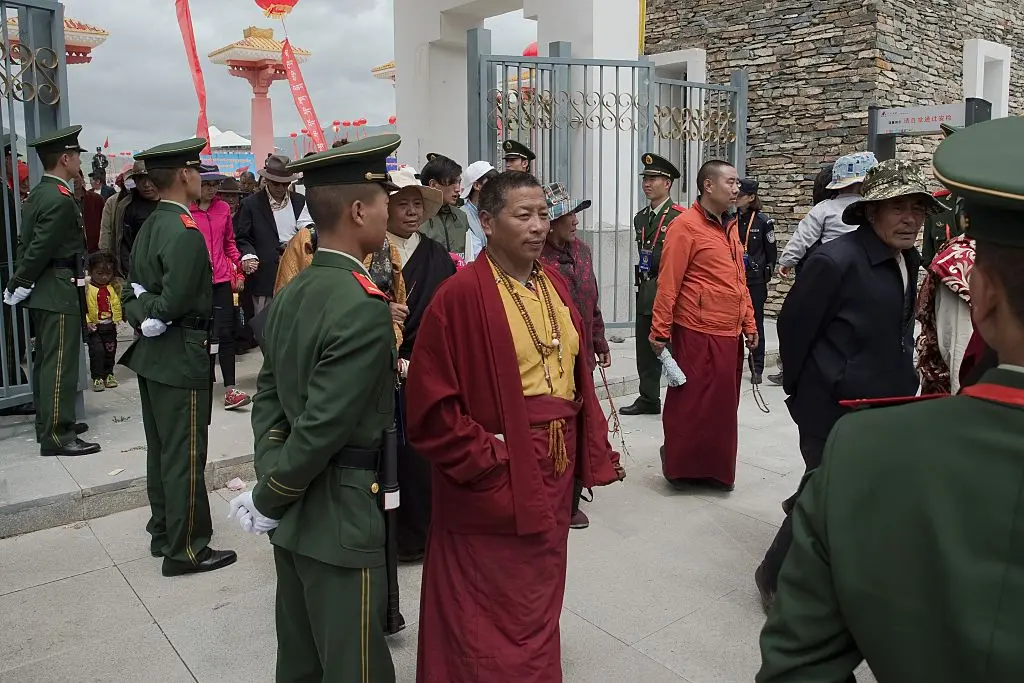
301, 96
189, 38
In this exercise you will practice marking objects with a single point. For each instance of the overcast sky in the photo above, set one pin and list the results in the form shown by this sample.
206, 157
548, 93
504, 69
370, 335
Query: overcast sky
138, 89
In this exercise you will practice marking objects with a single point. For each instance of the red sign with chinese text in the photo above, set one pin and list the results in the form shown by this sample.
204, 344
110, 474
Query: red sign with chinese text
301, 96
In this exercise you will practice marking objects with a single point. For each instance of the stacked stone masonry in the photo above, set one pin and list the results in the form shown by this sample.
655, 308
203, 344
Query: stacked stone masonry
815, 66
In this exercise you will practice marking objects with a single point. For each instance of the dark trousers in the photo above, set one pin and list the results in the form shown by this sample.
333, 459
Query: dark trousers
224, 330
176, 421
647, 364
758, 297
317, 611
811, 448
577, 493
102, 350
55, 376
243, 334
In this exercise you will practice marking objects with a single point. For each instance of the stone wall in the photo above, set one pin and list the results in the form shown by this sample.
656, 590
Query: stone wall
816, 65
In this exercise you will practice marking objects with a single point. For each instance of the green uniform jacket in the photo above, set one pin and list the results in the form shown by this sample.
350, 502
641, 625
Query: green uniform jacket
941, 227
171, 261
908, 549
327, 383
448, 228
51, 228
644, 225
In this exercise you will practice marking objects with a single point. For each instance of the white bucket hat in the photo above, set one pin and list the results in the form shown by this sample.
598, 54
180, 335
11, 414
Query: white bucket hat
851, 169
432, 199
474, 172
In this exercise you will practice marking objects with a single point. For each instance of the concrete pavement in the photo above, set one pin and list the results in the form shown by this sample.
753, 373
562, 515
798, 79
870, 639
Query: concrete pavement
659, 587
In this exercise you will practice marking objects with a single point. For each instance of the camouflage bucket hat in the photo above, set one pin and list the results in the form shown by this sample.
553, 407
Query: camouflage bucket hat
888, 180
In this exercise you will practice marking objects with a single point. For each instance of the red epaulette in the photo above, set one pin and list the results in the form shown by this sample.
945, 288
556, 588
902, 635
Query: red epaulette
368, 286
64, 190
189, 221
680, 209
862, 403
941, 193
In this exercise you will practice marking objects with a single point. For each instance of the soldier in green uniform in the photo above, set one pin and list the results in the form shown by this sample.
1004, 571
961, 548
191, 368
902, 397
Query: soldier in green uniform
325, 396
944, 225
518, 156
48, 281
651, 225
907, 549
170, 301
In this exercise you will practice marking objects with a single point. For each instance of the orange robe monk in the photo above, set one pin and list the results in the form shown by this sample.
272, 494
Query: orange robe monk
506, 430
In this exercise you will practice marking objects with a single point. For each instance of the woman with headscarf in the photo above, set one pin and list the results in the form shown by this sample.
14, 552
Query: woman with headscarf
572, 259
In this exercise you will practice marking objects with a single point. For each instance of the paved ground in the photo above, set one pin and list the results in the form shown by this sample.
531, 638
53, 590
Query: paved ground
659, 587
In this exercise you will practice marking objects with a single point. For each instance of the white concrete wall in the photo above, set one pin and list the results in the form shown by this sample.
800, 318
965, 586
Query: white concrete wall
987, 74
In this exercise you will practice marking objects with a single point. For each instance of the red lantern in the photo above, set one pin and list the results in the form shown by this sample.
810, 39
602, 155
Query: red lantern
305, 132
293, 135
531, 50
276, 9
346, 124
335, 123
392, 119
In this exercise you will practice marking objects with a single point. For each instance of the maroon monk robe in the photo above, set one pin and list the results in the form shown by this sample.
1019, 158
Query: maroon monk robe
494, 573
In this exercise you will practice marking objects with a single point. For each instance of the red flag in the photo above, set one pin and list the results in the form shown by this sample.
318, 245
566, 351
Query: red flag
301, 96
189, 38
106, 143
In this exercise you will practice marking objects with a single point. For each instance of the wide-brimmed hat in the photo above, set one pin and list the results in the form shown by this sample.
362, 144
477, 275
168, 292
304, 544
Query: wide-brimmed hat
888, 180
851, 169
138, 169
211, 173
433, 198
275, 170
230, 186
560, 203
474, 172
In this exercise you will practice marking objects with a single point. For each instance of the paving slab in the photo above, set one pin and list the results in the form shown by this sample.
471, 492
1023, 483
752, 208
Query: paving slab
50, 555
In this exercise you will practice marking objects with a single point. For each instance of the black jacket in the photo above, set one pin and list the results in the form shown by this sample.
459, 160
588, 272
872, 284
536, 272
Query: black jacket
846, 330
256, 233
762, 252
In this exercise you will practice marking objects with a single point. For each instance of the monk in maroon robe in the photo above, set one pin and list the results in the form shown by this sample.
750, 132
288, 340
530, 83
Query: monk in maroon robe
502, 404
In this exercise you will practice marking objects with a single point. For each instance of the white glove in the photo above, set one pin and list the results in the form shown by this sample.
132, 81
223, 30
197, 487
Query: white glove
138, 289
16, 297
249, 518
151, 327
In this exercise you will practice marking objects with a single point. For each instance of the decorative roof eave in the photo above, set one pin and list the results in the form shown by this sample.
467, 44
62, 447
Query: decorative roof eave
240, 53
385, 72
76, 34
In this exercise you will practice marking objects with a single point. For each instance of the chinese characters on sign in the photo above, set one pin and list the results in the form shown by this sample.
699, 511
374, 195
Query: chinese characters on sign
301, 96
920, 120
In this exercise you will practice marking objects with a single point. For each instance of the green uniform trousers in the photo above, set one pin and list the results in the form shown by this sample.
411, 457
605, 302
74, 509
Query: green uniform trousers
176, 422
647, 364
330, 622
55, 375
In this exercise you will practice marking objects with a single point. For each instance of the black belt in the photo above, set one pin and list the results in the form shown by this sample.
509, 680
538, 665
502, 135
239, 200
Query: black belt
70, 263
192, 323
357, 458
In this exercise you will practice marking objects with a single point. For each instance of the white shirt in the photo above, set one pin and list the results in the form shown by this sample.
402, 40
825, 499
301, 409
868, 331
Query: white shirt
287, 226
359, 263
657, 210
406, 247
168, 201
902, 263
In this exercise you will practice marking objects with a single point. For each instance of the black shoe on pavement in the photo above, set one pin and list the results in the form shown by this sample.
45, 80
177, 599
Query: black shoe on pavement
81, 428
207, 561
776, 379
755, 378
72, 448
641, 407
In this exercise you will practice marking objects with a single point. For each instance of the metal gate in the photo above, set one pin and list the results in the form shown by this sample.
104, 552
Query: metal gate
33, 102
589, 122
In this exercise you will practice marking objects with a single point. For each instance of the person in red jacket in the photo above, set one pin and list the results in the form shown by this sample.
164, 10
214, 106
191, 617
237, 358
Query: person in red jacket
213, 216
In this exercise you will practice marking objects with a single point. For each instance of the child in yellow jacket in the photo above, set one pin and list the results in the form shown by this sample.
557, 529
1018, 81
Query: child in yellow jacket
103, 312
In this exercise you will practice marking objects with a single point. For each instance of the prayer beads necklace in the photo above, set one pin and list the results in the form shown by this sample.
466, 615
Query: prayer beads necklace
543, 348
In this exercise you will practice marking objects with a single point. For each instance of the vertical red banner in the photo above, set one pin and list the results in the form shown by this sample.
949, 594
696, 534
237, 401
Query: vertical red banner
301, 96
189, 38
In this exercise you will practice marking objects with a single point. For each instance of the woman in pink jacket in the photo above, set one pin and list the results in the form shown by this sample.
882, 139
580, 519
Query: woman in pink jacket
213, 216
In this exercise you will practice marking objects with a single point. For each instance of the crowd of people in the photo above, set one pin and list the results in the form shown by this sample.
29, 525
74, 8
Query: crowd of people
435, 335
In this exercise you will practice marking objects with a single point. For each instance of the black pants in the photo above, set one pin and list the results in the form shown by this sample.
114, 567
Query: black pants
102, 350
414, 475
224, 330
577, 493
758, 297
811, 448
242, 330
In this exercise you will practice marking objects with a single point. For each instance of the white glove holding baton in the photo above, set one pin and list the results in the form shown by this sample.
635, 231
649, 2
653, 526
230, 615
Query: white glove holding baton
151, 327
244, 511
17, 296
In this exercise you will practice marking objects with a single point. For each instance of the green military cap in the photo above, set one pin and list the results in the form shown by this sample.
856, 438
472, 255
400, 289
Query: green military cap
514, 148
364, 161
63, 140
981, 164
181, 154
659, 166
